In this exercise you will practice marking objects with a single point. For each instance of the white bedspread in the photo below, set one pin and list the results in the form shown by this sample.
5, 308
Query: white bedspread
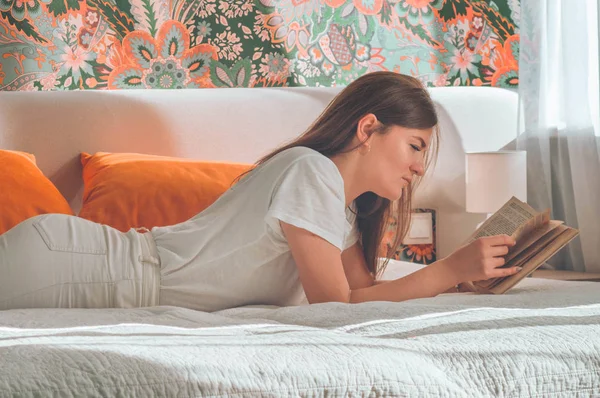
540, 339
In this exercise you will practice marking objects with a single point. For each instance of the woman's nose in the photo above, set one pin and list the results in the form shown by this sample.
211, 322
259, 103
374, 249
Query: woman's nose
418, 169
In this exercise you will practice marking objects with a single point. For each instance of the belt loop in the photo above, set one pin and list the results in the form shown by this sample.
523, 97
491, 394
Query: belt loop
150, 262
149, 252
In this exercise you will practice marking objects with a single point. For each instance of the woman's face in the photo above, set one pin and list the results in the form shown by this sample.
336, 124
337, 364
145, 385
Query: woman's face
394, 158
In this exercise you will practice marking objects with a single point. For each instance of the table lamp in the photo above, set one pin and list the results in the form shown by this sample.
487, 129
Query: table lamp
493, 178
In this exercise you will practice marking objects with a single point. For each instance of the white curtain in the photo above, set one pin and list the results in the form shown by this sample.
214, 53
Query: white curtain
559, 94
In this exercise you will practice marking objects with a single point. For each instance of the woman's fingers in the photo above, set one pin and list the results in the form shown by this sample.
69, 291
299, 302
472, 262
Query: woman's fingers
497, 251
504, 272
497, 262
499, 247
500, 240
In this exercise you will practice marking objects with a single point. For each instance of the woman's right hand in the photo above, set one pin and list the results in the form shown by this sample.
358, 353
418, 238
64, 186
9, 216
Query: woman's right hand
481, 259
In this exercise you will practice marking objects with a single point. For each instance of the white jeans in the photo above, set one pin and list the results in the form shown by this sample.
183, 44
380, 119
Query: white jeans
59, 261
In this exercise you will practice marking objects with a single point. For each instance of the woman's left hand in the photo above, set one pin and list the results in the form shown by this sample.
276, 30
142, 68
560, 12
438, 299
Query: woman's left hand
461, 288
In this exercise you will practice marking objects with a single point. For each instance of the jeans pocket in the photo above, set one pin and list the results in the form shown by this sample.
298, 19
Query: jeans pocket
71, 234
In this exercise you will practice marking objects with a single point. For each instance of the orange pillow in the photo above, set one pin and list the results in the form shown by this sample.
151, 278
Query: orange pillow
26, 191
128, 190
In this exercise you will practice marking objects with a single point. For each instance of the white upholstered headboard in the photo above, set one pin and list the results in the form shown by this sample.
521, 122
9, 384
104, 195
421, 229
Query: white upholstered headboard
240, 125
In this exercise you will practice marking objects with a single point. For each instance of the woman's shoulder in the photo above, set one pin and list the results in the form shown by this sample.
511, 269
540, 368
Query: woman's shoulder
306, 164
298, 152
301, 156
289, 161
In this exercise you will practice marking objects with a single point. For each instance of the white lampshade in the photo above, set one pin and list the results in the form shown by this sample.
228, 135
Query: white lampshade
493, 178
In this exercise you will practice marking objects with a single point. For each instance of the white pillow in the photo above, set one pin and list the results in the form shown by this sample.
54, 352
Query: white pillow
398, 269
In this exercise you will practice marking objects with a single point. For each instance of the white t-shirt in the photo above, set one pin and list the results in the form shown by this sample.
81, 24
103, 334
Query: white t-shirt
234, 253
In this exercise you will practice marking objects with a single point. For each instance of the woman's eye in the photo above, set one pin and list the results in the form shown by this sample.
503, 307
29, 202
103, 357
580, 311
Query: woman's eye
416, 148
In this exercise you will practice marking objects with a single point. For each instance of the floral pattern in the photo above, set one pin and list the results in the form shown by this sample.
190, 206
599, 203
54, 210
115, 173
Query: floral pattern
418, 11
166, 44
20, 9
166, 62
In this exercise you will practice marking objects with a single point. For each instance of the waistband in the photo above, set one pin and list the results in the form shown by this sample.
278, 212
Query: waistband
150, 272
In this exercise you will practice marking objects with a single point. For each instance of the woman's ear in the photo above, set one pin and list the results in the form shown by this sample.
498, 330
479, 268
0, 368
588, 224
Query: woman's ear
366, 126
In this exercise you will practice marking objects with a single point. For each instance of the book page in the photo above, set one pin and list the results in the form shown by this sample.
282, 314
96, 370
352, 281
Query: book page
564, 237
524, 256
532, 224
541, 250
514, 219
531, 239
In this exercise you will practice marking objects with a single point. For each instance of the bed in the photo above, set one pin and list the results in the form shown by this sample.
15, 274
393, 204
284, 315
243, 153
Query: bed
542, 338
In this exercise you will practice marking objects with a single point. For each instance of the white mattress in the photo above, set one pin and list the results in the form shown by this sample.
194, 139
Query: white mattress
540, 339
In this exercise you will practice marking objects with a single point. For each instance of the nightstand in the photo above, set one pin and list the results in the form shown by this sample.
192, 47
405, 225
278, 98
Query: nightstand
566, 275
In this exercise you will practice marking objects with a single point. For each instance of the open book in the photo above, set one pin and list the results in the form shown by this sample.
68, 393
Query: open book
538, 238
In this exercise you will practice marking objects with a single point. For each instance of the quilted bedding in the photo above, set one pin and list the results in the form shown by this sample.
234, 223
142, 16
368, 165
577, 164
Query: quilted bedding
540, 339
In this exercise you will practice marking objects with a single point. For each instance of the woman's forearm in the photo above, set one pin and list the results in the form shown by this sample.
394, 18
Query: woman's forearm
430, 281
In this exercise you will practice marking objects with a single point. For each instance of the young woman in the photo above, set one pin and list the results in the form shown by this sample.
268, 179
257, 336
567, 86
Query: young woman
308, 219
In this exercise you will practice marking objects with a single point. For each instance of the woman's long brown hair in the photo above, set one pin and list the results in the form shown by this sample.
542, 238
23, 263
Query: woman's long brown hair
396, 100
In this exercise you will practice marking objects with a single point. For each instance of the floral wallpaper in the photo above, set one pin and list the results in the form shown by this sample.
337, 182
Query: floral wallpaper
160, 44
